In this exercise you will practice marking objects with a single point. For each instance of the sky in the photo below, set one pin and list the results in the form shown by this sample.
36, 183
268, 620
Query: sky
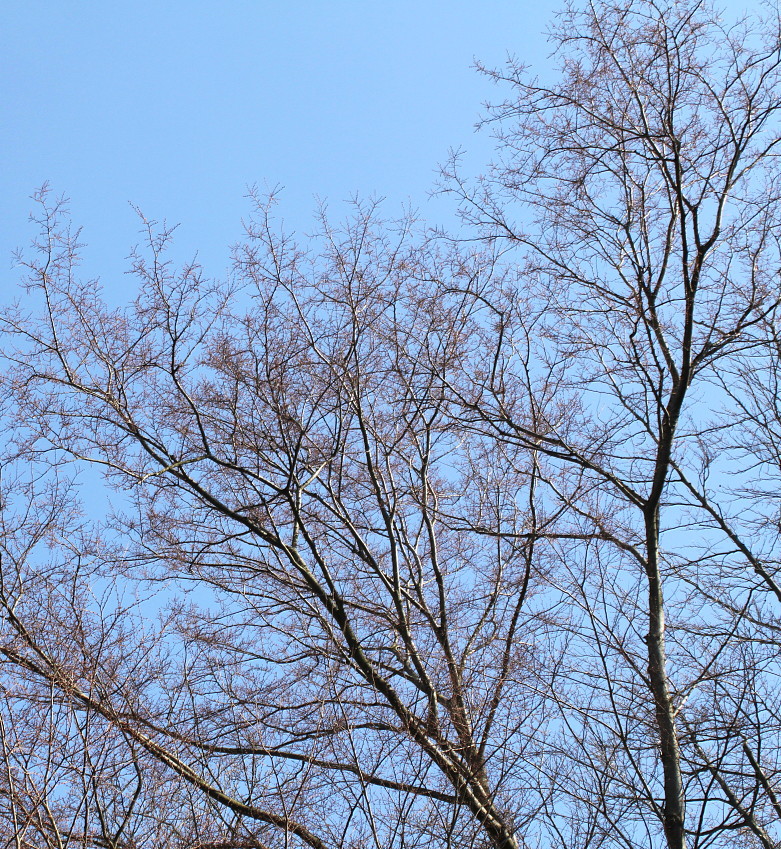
177, 107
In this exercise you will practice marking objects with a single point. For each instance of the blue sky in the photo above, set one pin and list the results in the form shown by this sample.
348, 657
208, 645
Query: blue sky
177, 107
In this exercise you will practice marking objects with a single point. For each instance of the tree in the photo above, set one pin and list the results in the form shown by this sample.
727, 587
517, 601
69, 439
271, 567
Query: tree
418, 541
648, 190
348, 674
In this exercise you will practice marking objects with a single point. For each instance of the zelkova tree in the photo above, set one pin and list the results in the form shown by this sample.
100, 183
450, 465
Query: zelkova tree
353, 664
417, 541
638, 359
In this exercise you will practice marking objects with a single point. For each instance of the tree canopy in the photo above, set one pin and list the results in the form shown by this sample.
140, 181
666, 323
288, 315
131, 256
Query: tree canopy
420, 539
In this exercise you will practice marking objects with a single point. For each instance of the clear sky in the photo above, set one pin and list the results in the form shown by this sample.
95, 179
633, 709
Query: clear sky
177, 106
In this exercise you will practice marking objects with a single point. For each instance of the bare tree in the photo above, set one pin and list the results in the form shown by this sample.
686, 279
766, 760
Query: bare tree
641, 190
418, 542
357, 664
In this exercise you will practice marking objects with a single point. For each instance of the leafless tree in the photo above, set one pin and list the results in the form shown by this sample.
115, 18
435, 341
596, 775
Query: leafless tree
639, 359
356, 664
419, 541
